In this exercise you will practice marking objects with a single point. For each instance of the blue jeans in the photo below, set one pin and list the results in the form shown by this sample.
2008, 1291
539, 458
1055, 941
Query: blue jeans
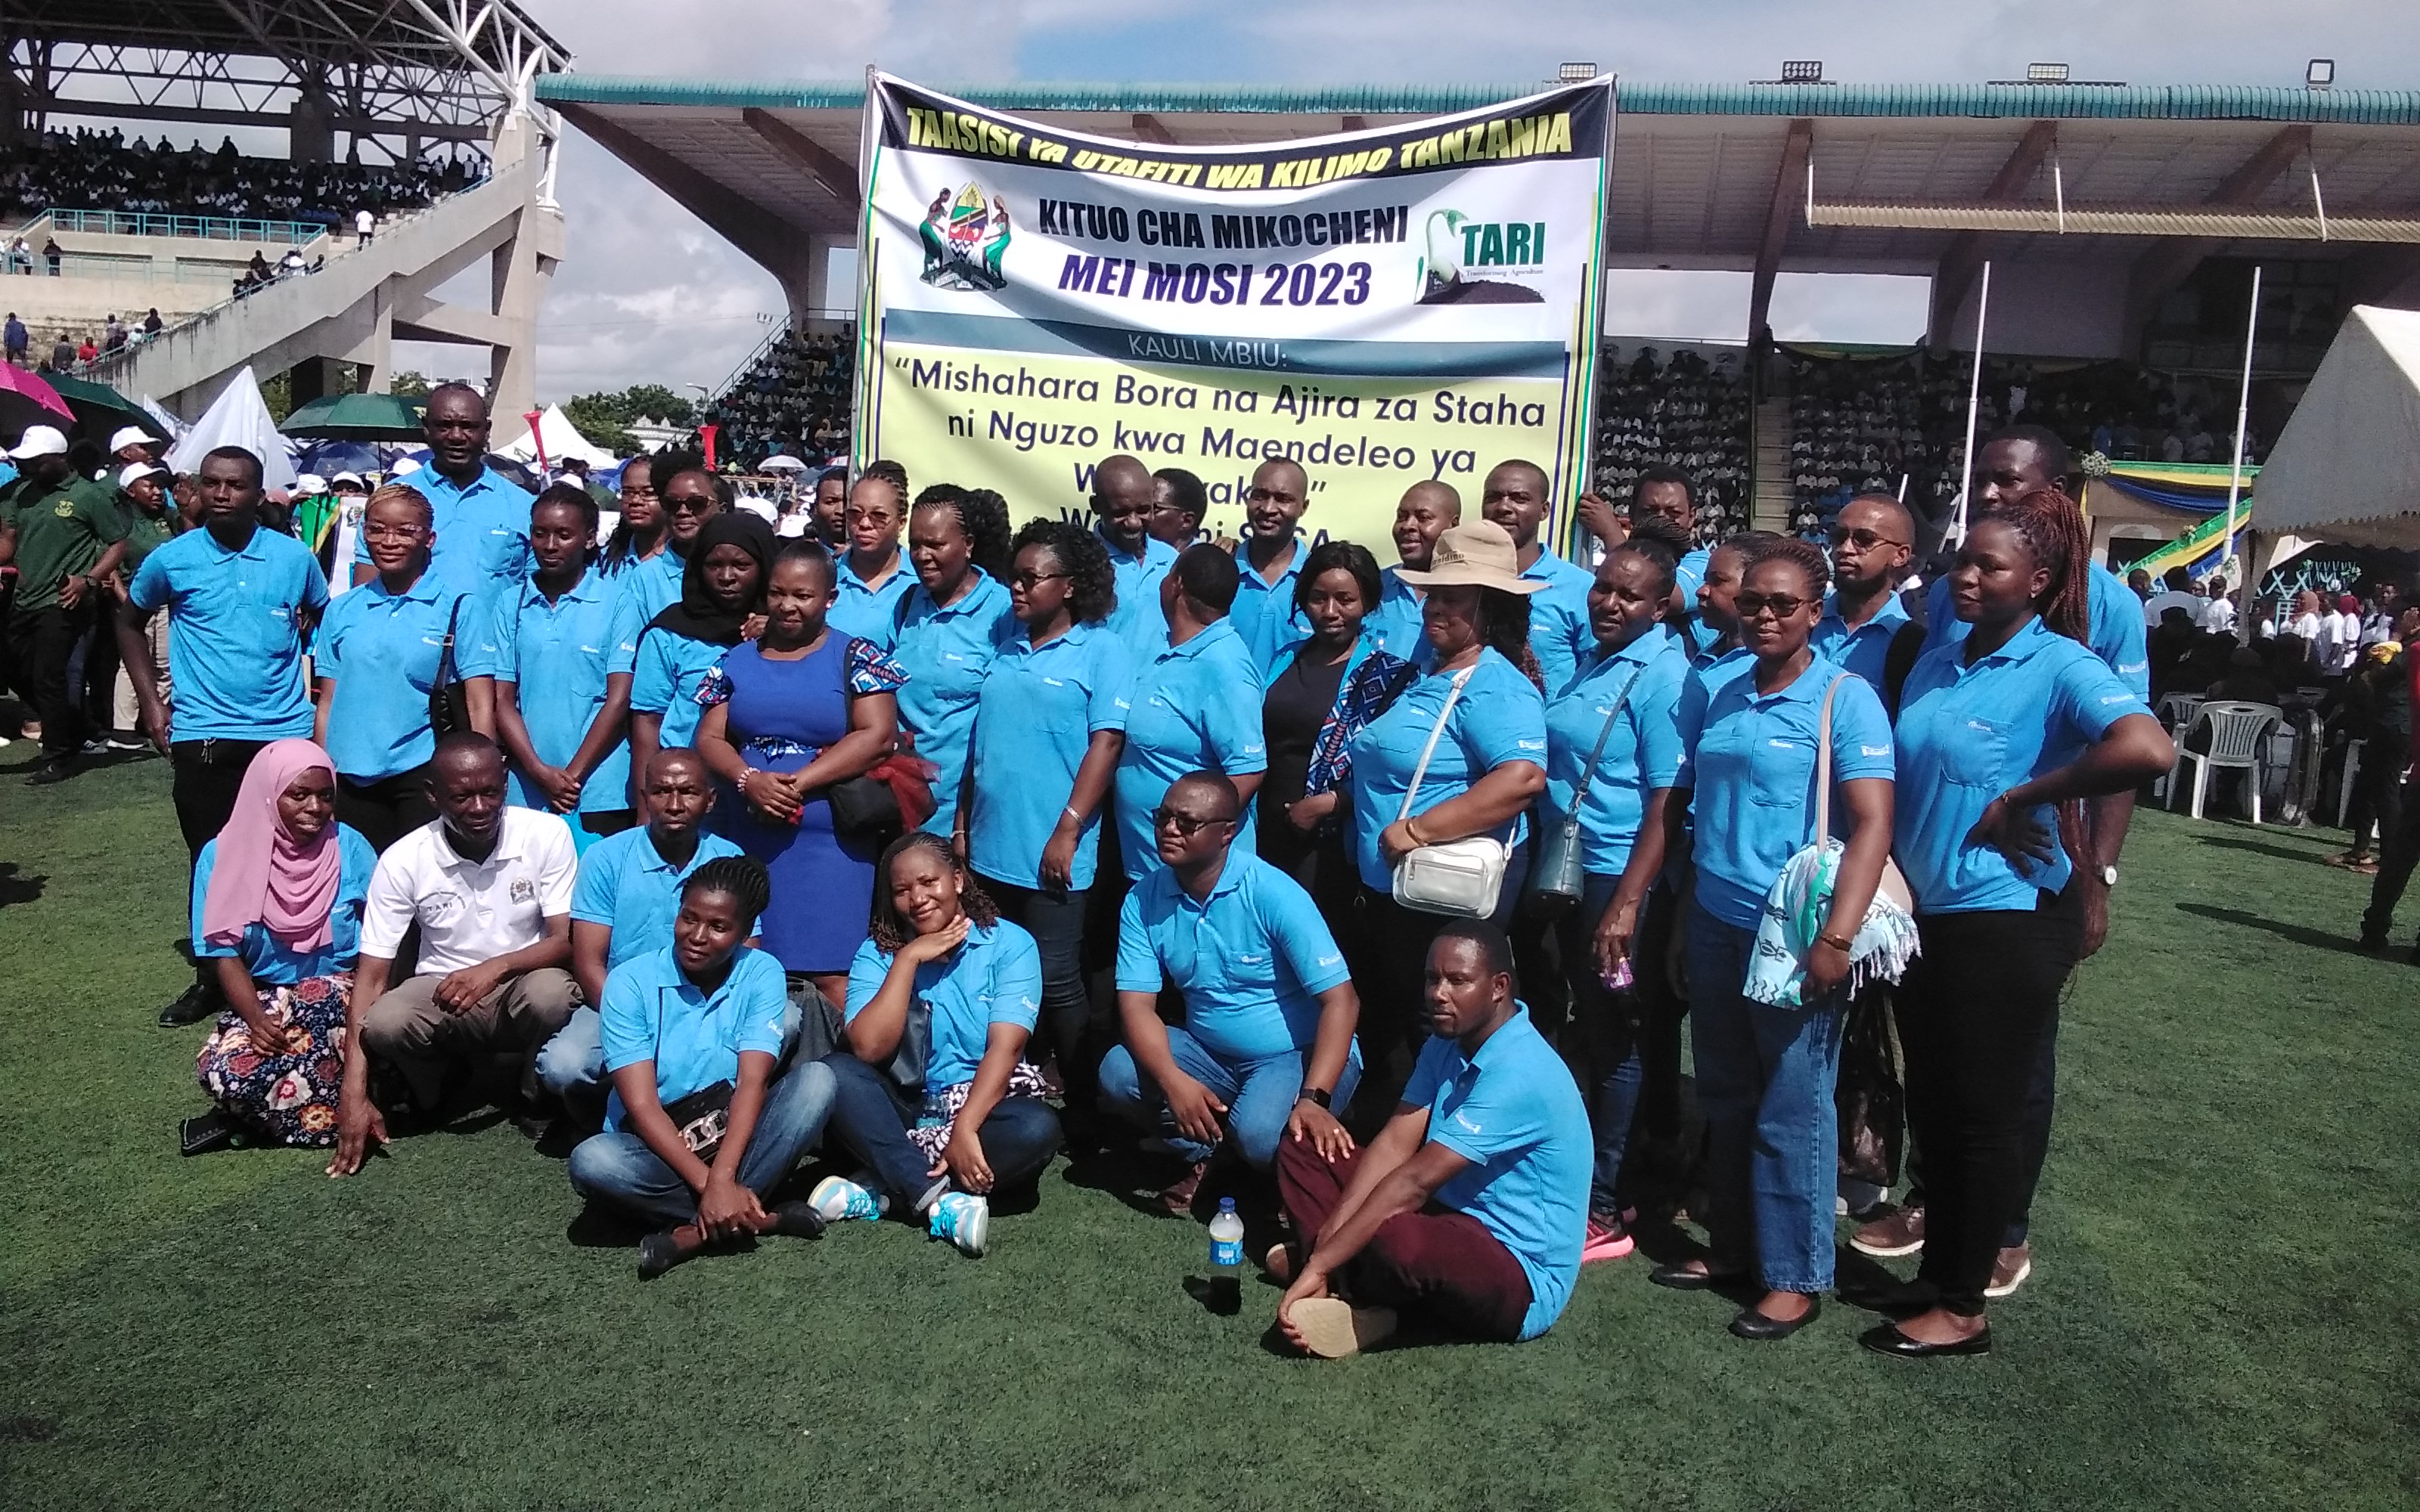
1610, 1026
571, 1065
619, 1167
872, 1114
1764, 1082
1260, 1095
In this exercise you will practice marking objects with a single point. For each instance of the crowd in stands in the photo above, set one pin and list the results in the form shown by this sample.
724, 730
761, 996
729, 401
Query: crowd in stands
87, 169
1680, 412
793, 399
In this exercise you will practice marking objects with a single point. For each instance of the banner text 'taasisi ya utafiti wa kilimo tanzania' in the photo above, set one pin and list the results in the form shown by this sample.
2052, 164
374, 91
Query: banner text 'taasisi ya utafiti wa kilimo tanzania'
1385, 307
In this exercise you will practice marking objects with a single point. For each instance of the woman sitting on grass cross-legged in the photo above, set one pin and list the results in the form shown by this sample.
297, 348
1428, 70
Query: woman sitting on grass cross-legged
934, 1094
703, 1124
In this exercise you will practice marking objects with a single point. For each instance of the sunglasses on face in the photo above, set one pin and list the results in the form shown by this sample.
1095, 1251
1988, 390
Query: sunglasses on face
1782, 606
1186, 825
1863, 539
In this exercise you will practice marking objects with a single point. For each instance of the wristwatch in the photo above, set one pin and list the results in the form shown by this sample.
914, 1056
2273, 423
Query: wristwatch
2109, 876
1314, 1094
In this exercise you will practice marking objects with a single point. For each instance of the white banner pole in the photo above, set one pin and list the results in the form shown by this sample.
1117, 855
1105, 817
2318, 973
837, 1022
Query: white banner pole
1957, 537
2242, 417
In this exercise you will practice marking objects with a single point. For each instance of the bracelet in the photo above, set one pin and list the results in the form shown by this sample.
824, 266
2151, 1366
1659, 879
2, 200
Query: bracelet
1411, 829
1833, 938
1070, 813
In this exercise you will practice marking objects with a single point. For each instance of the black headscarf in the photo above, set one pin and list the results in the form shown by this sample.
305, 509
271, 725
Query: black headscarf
697, 615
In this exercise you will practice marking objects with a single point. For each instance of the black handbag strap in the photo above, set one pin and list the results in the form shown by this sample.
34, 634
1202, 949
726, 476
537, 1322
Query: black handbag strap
446, 669
1588, 773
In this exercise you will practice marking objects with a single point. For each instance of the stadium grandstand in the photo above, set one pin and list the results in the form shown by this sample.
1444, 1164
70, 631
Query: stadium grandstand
414, 151
2123, 223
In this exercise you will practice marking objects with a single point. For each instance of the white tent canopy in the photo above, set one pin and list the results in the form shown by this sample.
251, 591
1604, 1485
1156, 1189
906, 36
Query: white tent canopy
2347, 468
237, 417
563, 439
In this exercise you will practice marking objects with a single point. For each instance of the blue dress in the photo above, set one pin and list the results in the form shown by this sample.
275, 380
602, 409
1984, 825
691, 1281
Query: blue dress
782, 715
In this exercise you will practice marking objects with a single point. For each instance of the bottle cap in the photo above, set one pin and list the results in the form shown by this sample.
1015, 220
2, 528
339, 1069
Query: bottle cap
1226, 1204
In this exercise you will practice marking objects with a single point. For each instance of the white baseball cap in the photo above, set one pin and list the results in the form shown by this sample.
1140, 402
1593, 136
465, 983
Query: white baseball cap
404, 468
308, 484
40, 440
354, 478
129, 436
136, 473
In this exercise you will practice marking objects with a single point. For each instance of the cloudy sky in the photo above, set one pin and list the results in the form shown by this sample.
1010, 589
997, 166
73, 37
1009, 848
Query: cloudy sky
648, 294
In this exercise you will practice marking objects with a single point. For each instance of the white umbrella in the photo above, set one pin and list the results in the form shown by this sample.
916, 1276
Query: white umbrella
783, 463
237, 417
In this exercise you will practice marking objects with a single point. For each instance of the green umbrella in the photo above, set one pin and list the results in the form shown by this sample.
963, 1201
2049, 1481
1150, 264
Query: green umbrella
101, 410
355, 417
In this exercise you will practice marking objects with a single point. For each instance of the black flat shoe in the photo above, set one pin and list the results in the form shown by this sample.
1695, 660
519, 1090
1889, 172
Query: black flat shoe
1682, 1279
191, 1006
797, 1219
50, 772
1886, 1338
1751, 1324
658, 1253
204, 1133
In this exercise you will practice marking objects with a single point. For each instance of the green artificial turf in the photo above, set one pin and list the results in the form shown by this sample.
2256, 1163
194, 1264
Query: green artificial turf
2221, 1317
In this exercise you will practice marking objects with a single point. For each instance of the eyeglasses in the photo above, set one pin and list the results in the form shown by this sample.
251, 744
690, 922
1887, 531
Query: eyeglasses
1030, 581
1186, 825
1750, 605
392, 532
638, 490
1270, 495
1863, 539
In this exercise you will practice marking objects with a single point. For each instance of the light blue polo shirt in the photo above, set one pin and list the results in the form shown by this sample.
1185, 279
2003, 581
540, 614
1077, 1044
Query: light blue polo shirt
1501, 717
1253, 958
1559, 617
1968, 733
863, 611
482, 531
1395, 626
235, 632
1264, 613
273, 963
1139, 620
653, 1011
664, 682
2113, 628
1038, 713
994, 977
558, 655
947, 652
1749, 762
1863, 650
626, 885
653, 583
1195, 708
382, 650
1642, 752
1514, 1113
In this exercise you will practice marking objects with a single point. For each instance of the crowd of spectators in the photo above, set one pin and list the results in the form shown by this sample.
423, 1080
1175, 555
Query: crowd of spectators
793, 399
87, 169
1680, 411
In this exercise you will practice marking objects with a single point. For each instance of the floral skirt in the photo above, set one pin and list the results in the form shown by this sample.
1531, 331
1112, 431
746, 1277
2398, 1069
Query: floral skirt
284, 1099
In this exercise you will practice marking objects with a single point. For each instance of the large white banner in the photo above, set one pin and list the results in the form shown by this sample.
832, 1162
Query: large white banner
1385, 307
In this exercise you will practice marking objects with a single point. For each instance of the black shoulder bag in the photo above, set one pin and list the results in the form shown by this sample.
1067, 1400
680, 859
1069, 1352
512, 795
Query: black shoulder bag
449, 706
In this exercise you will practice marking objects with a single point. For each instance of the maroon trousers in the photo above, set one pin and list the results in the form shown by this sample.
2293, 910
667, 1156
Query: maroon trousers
1440, 1264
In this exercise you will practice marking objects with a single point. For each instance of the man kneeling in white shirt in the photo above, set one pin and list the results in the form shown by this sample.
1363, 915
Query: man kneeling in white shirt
491, 888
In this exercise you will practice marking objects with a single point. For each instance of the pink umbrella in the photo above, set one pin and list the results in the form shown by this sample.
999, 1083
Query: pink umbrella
26, 400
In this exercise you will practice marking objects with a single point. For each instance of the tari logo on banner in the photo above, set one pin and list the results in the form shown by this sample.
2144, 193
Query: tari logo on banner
1481, 262
965, 237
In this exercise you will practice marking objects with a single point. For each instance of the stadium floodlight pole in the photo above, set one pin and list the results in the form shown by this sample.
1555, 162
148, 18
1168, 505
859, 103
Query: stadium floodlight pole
1957, 534
2242, 417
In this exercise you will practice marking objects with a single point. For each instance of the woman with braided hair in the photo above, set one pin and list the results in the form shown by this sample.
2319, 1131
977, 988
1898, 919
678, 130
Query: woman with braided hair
872, 578
704, 1121
945, 633
1997, 732
1752, 752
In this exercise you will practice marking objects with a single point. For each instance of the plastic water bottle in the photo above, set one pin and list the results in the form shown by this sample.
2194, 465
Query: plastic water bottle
1227, 1259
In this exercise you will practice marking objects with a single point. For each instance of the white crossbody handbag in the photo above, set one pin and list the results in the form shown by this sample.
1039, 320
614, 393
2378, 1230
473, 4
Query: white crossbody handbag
1462, 878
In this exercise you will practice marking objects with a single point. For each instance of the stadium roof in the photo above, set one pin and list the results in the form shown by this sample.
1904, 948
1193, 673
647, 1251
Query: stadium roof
1751, 176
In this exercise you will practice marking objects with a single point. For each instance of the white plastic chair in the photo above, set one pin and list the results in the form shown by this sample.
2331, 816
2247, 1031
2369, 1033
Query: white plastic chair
2238, 733
2176, 711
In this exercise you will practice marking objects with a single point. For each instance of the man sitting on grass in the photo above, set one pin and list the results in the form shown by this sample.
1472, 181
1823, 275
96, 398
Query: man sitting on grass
1469, 1208
491, 888
622, 908
1269, 1009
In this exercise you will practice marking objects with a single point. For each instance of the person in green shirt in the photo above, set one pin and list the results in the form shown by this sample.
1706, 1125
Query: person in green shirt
67, 537
150, 520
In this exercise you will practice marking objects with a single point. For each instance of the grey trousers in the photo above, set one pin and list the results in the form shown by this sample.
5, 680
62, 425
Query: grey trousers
409, 1030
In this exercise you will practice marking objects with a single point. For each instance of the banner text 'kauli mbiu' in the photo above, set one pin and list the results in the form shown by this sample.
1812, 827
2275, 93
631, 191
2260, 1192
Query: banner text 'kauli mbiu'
1384, 306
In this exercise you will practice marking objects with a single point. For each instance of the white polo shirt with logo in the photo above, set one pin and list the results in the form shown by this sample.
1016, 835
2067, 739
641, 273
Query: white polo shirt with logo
471, 912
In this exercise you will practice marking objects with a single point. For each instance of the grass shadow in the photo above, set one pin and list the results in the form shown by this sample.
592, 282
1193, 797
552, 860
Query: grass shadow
17, 887
2282, 853
2299, 933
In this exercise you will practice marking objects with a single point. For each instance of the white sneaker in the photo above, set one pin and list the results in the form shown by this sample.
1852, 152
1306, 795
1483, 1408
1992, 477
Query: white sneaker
963, 1219
838, 1200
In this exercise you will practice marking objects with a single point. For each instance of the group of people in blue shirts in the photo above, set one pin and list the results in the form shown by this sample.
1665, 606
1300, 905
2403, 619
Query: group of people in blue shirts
943, 845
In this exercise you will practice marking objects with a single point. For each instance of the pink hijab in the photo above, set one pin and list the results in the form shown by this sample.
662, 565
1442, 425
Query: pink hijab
260, 874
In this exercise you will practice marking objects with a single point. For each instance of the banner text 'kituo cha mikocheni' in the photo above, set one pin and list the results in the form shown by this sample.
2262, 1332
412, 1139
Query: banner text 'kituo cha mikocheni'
1385, 307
